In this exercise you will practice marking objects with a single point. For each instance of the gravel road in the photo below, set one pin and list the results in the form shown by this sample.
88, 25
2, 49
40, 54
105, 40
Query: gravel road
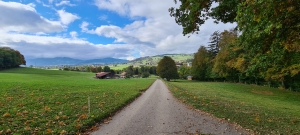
157, 112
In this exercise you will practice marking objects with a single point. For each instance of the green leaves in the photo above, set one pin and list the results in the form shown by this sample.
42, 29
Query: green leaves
191, 14
166, 68
10, 58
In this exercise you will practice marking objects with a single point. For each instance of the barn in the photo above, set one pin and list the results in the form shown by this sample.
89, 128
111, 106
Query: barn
104, 75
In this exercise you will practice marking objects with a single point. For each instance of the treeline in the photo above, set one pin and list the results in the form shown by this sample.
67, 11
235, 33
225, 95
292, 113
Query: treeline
141, 71
131, 71
93, 69
229, 58
10, 58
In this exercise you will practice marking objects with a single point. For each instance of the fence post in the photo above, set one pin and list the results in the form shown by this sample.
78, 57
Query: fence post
89, 106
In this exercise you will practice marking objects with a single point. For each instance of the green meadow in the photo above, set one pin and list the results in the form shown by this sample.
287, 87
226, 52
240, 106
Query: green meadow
35, 101
262, 109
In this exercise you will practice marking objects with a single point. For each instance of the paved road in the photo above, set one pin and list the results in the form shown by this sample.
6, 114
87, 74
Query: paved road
156, 112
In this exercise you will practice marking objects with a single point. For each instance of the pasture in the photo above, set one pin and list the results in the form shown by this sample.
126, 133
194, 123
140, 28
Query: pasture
35, 101
262, 109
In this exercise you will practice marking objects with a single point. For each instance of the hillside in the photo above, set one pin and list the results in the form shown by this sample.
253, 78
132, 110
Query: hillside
153, 60
111, 62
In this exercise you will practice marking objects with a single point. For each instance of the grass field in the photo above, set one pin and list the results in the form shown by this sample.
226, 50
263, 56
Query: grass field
261, 109
35, 101
119, 66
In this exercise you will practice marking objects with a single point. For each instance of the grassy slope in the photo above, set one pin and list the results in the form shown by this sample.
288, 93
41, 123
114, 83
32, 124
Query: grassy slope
45, 101
264, 110
154, 60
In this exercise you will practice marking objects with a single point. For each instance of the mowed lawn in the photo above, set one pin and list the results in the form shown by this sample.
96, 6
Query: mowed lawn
261, 109
35, 101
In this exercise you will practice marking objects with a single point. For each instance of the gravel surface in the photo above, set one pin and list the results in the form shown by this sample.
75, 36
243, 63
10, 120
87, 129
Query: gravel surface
157, 112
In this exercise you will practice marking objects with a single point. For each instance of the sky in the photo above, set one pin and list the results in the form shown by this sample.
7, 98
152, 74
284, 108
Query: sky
93, 29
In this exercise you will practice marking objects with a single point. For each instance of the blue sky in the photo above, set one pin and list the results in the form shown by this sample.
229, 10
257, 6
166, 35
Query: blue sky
91, 29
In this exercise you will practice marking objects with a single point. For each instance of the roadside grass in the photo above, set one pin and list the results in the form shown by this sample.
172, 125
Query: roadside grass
262, 109
35, 101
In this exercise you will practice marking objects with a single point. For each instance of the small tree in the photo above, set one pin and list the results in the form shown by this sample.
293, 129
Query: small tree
129, 71
166, 68
106, 69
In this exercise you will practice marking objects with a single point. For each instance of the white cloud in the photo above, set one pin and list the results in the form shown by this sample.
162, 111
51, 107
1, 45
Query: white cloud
18, 17
120, 6
84, 28
65, 2
73, 34
66, 17
151, 32
130, 58
34, 46
157, 33
50, 1
31, 5
103, 17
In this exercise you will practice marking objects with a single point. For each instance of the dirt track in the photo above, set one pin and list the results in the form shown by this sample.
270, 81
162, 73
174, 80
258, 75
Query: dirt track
156, 112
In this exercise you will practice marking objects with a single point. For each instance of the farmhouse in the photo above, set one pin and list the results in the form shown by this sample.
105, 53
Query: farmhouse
189, 77
123, 75
103, 75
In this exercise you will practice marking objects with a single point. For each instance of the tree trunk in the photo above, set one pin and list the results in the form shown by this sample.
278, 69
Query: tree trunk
168, 79
282, 83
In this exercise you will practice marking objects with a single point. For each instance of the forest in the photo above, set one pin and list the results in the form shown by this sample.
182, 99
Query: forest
262, 49
10, 58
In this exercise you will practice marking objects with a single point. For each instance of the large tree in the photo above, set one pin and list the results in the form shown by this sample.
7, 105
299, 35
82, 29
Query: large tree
271, 36
10, 58
270, 21
200, 64
228, 62
191, 14
214, 44
277, 20
166, 68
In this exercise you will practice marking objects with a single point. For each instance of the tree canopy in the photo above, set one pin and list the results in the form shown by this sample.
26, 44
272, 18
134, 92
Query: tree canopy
265, 49
10, 58
166, 68
277, 19
191, 14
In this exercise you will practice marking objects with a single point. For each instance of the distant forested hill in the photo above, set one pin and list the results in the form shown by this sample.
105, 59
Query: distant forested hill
71, 61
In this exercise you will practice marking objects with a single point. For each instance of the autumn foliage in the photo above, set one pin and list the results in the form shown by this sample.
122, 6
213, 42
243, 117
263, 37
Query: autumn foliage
263, 49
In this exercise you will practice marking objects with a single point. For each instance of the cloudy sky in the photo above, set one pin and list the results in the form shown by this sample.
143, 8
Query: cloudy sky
90, 29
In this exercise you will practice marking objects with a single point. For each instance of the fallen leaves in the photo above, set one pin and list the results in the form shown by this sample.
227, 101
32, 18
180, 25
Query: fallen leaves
106, 121
59, 109
256, 119
78, 126
6, 115
27, 128
83, 116
63, 132
48, 131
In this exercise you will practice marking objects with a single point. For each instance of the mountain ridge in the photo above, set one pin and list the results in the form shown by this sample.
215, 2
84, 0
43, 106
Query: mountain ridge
71, 61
